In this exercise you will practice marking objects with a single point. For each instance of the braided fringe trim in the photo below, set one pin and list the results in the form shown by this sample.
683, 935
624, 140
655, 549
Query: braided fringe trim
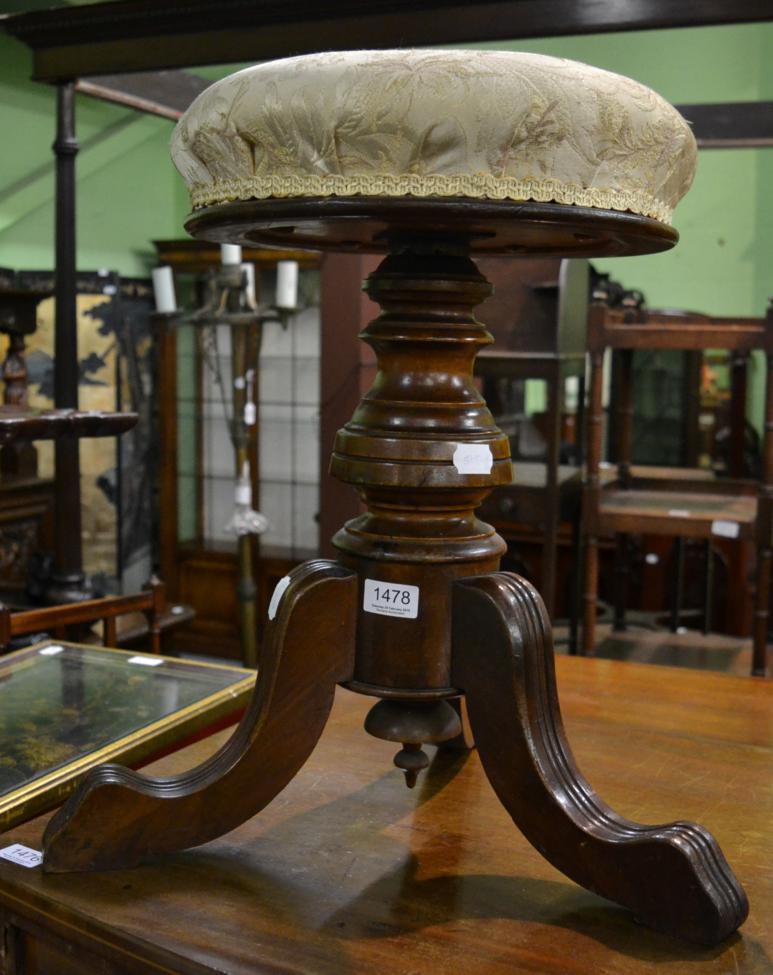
477, 185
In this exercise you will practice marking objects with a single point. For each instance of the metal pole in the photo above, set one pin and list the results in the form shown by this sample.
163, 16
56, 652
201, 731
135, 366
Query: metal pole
68, 584
246, 589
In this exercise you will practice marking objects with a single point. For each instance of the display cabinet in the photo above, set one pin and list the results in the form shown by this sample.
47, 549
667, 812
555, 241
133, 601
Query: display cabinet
198, 554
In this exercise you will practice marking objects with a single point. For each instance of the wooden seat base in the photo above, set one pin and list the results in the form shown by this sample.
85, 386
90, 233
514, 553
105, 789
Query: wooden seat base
684, 514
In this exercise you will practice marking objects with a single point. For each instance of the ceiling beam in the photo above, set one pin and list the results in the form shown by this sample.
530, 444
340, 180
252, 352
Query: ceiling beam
146, 35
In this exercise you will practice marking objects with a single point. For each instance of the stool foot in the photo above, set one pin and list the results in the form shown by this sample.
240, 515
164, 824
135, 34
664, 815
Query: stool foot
119, 818
673, 877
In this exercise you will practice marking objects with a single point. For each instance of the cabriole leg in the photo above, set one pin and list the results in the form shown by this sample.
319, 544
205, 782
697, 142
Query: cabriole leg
119, 818
673, 877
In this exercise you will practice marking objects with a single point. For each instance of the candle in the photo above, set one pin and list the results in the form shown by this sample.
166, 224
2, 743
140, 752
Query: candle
286, 284
230, 254
248, 271
163, 289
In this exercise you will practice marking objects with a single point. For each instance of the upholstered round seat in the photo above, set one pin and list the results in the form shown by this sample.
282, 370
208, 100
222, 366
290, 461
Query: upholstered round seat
460, 124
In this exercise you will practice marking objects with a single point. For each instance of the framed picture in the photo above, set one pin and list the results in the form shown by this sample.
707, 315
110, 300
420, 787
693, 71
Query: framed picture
65, 708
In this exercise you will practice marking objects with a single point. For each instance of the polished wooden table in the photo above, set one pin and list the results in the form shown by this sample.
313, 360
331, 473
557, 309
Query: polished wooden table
349, 872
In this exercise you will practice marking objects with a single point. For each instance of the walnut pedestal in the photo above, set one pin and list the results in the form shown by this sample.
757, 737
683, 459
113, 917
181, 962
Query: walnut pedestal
415, 612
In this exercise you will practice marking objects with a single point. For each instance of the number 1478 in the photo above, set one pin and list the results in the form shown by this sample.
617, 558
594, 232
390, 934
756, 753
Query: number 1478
387, 595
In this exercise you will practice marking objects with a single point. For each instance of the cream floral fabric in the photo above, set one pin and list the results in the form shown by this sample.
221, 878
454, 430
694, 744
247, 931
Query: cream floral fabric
494, 125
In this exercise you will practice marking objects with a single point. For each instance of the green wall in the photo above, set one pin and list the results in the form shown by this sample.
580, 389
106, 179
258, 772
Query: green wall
128, 193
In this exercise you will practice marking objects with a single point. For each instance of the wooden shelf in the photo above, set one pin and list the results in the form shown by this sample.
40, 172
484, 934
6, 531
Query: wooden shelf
26, 424
690, 515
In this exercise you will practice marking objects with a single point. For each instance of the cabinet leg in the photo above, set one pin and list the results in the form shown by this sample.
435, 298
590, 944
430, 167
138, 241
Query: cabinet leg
119, 817
673, 877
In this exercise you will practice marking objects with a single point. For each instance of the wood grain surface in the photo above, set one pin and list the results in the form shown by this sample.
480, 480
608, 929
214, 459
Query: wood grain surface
348, 872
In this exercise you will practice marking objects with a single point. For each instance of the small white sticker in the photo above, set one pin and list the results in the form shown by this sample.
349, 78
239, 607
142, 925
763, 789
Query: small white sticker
22, 855
51, 651
276, 596
145, 661
473, 458
727, 529
678, 513
243, 493
391, 599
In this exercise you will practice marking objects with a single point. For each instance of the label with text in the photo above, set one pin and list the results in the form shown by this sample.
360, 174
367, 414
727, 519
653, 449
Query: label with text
391, 599
22, 855
473, 458
726, 529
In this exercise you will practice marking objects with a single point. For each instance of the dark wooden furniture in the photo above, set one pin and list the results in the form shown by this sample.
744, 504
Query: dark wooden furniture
18, 423
423, 451
65, 708
350, 873
540, 544
26, 500
673, 502
55, 619
27, 513
538, 317
26, 529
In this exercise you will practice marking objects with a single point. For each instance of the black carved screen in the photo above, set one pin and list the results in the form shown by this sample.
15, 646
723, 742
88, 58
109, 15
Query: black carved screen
117, 372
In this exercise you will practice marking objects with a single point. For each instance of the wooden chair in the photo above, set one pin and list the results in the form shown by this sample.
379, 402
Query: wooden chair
672, 501
151, 602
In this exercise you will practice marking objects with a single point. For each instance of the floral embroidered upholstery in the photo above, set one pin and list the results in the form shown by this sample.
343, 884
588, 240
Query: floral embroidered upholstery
488, 124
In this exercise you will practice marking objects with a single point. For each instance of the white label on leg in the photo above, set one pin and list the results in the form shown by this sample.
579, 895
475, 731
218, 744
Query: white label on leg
473, 458
276, 596
391, 599
22, 855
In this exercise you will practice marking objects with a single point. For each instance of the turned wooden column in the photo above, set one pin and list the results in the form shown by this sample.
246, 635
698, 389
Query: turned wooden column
68, 582
404, 450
